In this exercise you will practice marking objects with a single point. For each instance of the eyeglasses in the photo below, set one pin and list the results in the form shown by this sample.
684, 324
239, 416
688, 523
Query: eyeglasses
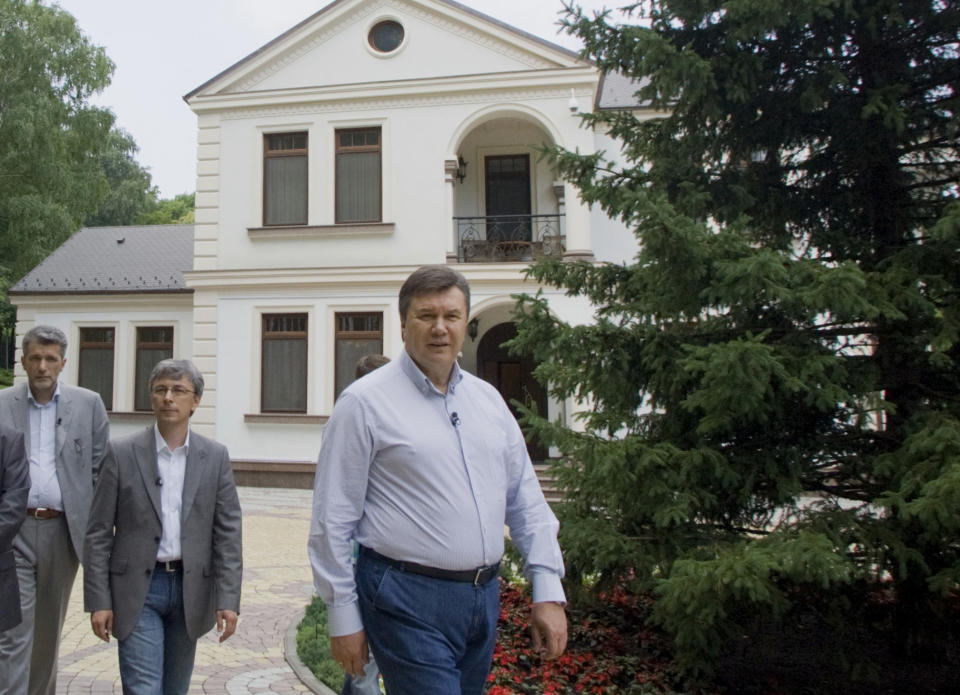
177, 391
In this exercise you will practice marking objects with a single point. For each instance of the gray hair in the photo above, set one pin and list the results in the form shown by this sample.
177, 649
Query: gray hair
177, 369
45, 335
429, 279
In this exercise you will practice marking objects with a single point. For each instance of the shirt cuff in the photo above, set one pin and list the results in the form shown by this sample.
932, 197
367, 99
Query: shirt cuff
344, 620
547, 587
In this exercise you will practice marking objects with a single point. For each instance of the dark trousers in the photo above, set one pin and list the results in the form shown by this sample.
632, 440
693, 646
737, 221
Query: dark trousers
429, 636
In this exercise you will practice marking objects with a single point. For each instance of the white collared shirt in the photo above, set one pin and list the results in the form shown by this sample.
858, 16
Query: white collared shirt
171, 466
427, 477
44, 485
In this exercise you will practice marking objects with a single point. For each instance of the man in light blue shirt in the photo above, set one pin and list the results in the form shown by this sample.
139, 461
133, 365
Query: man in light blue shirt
423, 464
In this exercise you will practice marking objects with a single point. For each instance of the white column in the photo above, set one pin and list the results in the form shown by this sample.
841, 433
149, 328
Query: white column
579, 242
449, 172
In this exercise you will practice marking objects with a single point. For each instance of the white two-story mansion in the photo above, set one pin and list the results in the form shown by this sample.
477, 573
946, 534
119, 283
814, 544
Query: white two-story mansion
372, 138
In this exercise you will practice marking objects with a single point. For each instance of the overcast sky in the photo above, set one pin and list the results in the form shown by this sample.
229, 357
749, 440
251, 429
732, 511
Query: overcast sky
163, 50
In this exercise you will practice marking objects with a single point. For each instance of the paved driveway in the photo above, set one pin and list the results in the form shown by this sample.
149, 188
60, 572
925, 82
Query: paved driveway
276, 587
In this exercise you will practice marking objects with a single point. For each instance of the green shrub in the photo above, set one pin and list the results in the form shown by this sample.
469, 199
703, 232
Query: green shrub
313, 646
6, 378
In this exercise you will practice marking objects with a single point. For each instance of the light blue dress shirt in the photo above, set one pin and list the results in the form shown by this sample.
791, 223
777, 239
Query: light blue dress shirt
44, 484
425, 477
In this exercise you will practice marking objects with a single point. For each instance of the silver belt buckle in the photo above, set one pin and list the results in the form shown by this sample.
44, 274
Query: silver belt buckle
476, 578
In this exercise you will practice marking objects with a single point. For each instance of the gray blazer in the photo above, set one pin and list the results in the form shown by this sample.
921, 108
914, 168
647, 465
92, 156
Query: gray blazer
14, 488
125, 528
83, 431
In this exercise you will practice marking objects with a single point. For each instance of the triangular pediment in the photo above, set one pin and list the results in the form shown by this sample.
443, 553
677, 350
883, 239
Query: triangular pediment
442, 39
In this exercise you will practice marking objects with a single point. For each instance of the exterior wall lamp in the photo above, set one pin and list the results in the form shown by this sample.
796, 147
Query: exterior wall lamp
472, 329
461, 169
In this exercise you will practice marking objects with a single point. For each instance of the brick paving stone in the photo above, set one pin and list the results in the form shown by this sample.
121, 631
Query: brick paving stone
277, 585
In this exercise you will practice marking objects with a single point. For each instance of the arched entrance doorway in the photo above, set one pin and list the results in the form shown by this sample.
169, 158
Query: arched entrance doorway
512, 376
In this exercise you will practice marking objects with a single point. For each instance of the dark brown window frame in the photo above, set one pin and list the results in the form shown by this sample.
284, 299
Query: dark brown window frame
357, 149
284, 153
83, 343
148, 345
339, 335
266, 335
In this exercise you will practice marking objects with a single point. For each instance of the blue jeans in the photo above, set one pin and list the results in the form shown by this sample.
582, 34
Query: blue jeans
157, 657
429, 636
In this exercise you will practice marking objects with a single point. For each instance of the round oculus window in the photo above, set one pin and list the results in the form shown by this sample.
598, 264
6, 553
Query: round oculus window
386, 36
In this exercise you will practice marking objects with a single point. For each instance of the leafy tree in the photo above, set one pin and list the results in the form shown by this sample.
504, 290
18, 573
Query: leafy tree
50, 137
770, 387
130, 192
62, 163
176, 210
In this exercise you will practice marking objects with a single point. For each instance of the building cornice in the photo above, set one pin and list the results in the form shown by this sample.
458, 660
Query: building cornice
509, 87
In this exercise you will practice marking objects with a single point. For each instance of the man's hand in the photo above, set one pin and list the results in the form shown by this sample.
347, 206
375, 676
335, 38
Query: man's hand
351, 652
548, 627
226, 623
102, 624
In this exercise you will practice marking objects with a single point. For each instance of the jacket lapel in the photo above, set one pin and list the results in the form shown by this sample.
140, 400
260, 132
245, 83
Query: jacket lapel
196, 463
64, 414
145, 451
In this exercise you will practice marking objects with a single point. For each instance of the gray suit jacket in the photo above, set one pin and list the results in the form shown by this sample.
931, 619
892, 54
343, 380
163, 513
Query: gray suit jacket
125, 528
83, 431
14, 487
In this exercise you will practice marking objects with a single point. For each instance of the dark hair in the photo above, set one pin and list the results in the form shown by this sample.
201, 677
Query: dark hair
368, 363
429, 279
177, 369
45, 335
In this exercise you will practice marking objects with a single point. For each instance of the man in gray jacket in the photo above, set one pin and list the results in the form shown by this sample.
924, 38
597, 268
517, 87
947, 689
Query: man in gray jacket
163, 549
65, 433
14, 486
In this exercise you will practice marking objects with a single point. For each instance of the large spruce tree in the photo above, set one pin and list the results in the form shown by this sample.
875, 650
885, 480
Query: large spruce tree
770, 388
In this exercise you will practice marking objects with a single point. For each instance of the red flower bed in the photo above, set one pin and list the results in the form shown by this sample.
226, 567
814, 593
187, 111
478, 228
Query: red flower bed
610, 650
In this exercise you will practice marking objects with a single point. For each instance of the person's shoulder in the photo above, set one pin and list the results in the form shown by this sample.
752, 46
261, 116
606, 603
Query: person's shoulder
206, 443
142, 437
375, 381
476, 385
15, 392
79, 393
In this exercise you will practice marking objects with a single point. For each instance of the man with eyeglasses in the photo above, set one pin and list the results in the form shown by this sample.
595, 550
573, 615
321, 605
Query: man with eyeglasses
65, 432
163, 549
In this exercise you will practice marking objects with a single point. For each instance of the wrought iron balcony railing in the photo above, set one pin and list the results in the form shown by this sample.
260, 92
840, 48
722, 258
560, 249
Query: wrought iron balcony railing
503, 238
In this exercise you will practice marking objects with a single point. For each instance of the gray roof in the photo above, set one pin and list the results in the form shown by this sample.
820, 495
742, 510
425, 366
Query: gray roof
115, 259
617, 91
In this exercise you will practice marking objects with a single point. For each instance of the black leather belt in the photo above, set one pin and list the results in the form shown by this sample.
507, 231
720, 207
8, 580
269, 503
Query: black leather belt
169, 566
477, 577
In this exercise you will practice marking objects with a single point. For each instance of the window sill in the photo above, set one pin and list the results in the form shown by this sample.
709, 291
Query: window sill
285, 418
321, 231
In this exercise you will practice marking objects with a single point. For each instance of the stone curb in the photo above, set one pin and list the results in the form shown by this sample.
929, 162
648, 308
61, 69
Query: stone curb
290, 654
